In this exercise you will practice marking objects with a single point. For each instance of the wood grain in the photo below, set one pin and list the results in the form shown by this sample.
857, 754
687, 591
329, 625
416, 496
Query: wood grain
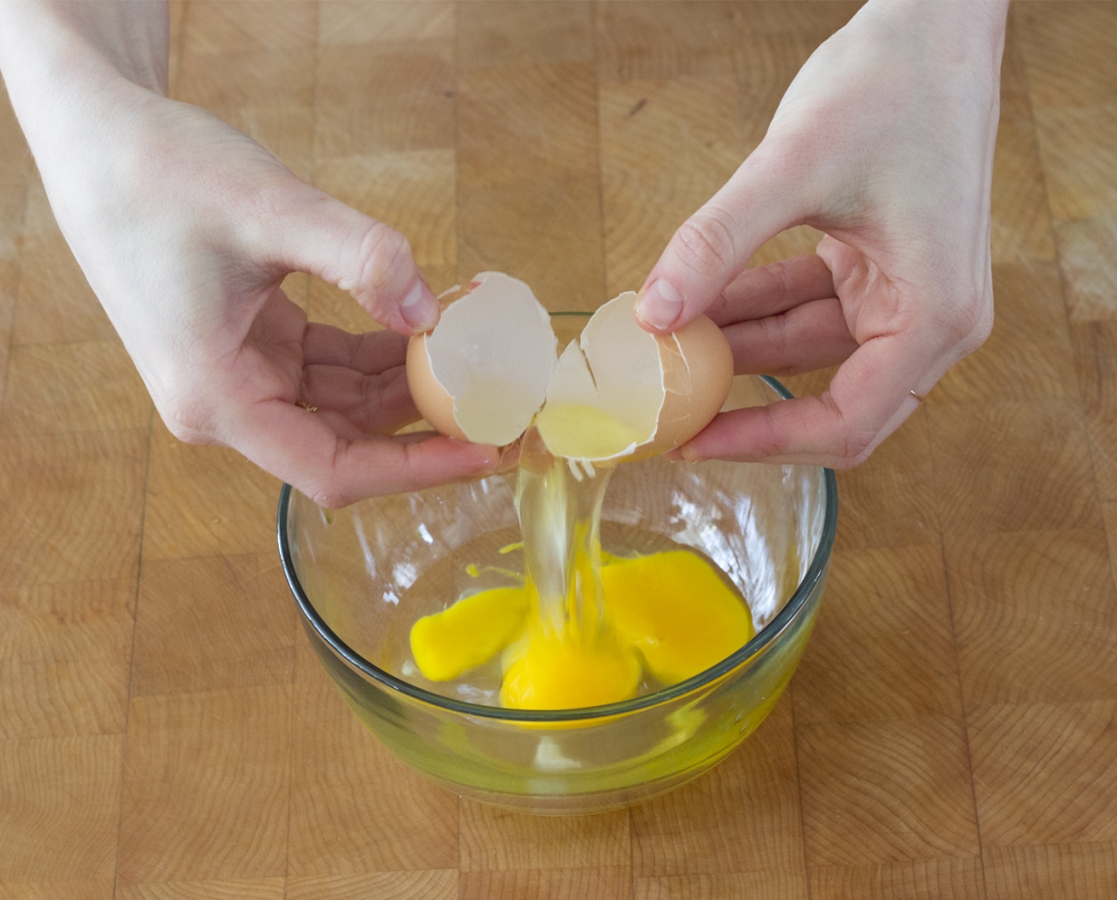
191, 760
1073, 871
535, 34
165, 730
607, 883
1045, 773
491, 839
73, 507
891, 503
888, 791
354, 809
437, 884
48, 781
65, 653
1095, 345
743, 817
938, 879
1049, 608
198, 499
894, 601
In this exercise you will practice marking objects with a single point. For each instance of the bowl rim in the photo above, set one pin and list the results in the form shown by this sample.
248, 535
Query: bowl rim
760, 641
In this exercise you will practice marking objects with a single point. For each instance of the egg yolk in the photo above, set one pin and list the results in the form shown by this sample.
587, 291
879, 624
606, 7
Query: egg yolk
584, 432
469, 633
555, 671
669, 615
676, 610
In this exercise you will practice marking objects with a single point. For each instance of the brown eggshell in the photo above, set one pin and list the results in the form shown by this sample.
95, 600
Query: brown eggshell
481, 374
431, 399
697, 375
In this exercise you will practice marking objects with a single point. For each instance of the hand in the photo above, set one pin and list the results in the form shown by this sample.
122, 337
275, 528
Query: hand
185, 229
191, 227
884, 141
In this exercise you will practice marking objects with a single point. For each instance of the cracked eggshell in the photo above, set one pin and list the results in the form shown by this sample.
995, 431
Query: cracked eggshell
663, 389
491, 364
481, 374
697, 375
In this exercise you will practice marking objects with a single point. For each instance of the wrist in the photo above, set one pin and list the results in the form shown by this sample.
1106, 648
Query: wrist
70, 68
59, 58
959, 35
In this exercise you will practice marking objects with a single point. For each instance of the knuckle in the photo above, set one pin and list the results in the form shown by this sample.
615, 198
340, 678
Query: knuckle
982, 327
962, 325
272, 196
408, 467
761, 434
851, 443
705, 244
328, 491
779, 278
853, 449
780, 333
969, 320
383, 250
185, 421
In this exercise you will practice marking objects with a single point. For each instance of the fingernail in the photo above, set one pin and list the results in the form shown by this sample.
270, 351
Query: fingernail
419, 308
482, 467
659, 304
675, 455
688, 454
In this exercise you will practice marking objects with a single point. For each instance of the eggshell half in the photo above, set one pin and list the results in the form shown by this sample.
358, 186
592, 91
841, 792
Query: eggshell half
490, 365
663, 389
482, 373
697, 375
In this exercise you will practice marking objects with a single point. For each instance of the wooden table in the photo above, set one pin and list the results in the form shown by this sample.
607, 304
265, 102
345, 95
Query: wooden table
952, 733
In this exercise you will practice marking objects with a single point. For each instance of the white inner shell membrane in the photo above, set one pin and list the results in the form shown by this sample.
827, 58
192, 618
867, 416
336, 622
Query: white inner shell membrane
615, 366
498, 385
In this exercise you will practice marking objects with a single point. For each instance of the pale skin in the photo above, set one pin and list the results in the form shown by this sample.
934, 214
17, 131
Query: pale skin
185, 229
884, 141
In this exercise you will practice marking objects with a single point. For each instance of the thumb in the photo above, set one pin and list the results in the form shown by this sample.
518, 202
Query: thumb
714, 245
372, 261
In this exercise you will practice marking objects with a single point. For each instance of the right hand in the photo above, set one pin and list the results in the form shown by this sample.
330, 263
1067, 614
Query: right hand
884, 141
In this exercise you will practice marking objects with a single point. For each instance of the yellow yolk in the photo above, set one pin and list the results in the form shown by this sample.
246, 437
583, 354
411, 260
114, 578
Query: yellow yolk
670, 615
468, 634
584, 432
556, 672
676, 610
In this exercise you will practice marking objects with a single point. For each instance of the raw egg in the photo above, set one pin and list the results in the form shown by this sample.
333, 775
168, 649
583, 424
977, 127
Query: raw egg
667, 617
491, 366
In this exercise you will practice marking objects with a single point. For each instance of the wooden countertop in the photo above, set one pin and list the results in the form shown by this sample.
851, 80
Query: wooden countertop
952, 733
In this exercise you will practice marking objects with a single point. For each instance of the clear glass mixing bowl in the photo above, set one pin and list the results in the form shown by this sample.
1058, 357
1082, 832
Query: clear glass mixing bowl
363, 575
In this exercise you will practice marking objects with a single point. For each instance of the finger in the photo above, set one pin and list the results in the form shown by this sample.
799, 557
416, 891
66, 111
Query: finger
379, 403
810, 336
317, 234
771, 289
301, 448
713, 246
867, 400
370, 352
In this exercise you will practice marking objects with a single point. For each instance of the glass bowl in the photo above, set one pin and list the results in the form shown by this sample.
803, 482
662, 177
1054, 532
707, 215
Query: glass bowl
362, 575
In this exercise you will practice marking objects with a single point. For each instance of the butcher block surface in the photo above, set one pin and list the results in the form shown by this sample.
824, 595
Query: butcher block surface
165, 731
